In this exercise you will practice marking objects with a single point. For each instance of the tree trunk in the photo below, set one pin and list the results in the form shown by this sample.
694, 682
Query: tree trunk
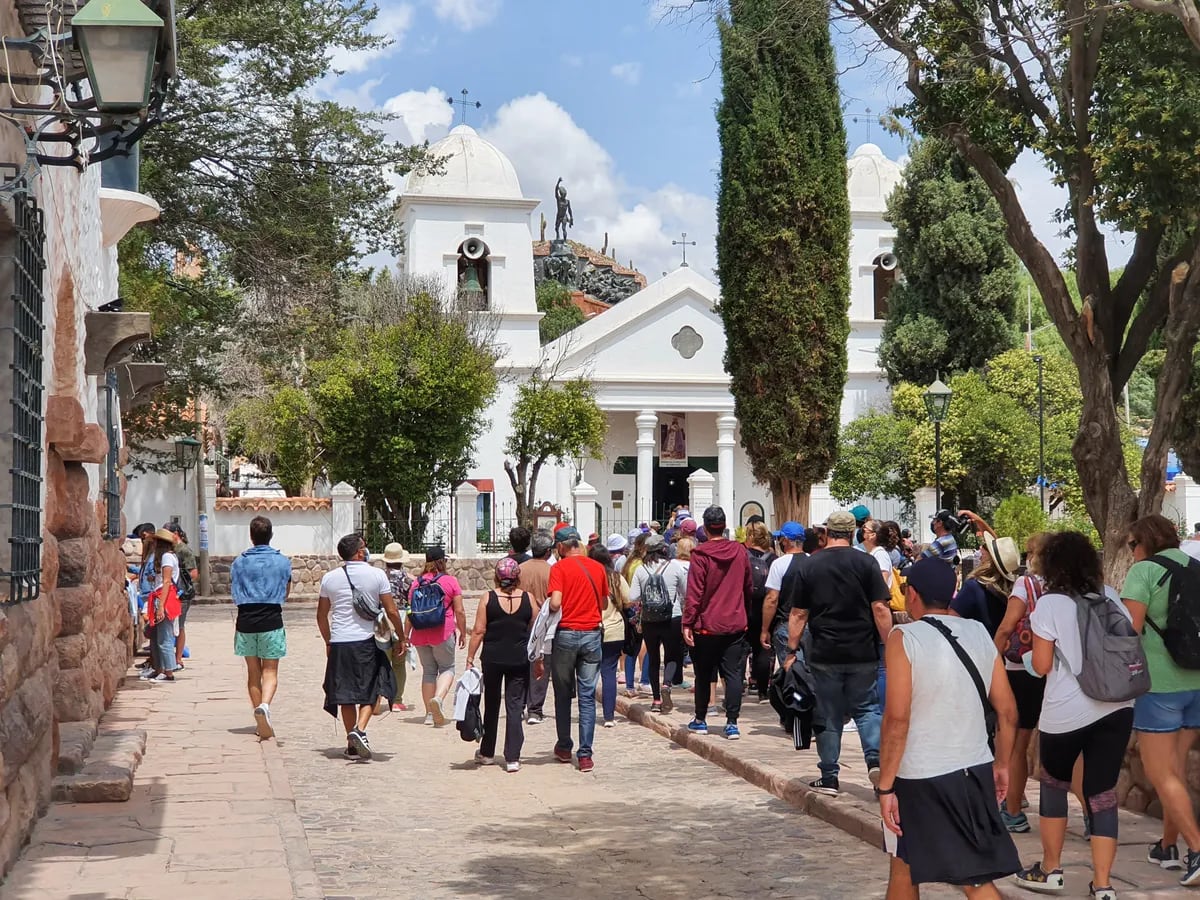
791, 502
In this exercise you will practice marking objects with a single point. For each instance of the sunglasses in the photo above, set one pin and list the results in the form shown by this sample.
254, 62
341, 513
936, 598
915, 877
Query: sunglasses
1132, 545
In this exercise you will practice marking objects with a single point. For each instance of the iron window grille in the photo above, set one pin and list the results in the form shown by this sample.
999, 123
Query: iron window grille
112, 478
24, 568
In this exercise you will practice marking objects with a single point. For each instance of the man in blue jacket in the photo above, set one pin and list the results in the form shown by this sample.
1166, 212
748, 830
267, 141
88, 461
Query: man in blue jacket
260, 581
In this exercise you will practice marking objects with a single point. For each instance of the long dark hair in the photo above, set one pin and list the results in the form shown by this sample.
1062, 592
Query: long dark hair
161, 547
600, 554
1070, 564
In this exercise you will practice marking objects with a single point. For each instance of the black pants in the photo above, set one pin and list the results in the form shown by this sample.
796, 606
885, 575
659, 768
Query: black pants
725, 654
1102, 745
664, 645
516, 684
761, 659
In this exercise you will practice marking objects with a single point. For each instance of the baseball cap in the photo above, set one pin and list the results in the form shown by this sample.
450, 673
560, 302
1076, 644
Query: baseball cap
139, 530
174, 527
842, 522
616, 543
433, 554
688, 526
792, 531
655, 542
566, 533
593, 539
934, 580
861, 513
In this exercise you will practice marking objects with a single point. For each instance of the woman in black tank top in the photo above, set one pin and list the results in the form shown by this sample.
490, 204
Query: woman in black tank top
502, 624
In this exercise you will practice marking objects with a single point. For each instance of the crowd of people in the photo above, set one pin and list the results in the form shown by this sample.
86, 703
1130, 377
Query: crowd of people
162, 586
946, 663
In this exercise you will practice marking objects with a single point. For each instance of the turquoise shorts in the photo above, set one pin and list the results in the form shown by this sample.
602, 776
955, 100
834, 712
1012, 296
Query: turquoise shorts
263, 644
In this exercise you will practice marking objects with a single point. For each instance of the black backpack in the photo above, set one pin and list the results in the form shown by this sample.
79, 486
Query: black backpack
470, 726
186, 588
656, 598
760, 568
1181, 633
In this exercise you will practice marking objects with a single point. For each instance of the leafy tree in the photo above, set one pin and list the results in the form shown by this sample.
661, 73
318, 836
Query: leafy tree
399, 408
955, 306
278, 433
1019, 517
561, 315
550, 421
783, 233
1109, 99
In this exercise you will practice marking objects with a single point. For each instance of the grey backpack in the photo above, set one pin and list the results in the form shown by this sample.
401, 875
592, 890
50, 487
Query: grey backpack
1114, 665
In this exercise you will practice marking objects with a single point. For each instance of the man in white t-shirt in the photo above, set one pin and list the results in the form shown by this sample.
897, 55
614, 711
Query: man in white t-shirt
939, 779
774, 634
1191, 546
357, 671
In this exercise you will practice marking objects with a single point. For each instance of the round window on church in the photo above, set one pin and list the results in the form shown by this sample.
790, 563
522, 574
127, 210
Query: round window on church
687, 342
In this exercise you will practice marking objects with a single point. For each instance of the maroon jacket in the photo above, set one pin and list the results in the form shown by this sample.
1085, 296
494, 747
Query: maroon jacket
718, 585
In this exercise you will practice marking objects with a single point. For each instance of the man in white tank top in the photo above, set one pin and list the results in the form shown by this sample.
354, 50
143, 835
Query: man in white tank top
940, 782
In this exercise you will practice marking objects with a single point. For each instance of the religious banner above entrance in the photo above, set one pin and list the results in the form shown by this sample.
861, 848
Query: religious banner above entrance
672, 440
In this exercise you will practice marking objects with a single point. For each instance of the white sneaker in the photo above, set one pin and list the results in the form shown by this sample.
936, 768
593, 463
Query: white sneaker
262, 718
610, 724
435, 708
482, 760
512, 767
428, 718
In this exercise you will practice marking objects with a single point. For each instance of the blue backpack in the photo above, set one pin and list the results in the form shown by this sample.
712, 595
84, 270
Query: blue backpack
428, 605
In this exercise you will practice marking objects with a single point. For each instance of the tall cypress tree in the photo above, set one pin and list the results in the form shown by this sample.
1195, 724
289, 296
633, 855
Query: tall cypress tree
783, 220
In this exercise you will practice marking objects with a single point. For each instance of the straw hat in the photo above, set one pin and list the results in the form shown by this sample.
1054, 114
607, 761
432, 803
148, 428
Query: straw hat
394, 553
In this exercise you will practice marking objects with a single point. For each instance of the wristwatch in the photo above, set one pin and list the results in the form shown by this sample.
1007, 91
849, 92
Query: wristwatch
883, 792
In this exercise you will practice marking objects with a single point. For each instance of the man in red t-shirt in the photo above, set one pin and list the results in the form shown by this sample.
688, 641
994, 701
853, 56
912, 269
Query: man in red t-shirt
579, 588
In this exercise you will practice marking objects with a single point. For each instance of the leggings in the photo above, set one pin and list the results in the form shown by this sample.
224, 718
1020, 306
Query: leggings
1102, 744
664, 644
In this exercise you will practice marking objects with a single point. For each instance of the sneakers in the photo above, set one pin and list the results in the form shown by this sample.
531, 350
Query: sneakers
400, 707
827, 786
534, 719
358, 740
873, 775
610, 723
697, 726
428, 719
563, 756
656, 706
732, 733
764, 700
1019, 824
161, 677
586, 764
667, 703
1034, 879
482, 760
1164, 857
262, 718
435, 710
1191, 877
349, 753
514, 766
1104, 893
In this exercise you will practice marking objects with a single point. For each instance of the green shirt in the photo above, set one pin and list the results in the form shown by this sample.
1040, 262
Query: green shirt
1142, 585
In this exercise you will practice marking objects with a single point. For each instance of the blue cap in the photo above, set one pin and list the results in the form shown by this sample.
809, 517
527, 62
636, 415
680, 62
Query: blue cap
861, 513
792, 531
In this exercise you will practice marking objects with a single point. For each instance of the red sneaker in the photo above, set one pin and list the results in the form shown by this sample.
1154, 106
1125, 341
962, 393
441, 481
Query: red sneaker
563, 756
586, 764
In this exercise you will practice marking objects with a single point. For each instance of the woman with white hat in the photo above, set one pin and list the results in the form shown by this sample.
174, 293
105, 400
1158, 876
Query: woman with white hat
616, 545
163, 608
984, 595
401, 582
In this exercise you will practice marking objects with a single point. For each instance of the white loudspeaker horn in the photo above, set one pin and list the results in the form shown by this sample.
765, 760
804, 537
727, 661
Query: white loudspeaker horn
888, 262
474, 248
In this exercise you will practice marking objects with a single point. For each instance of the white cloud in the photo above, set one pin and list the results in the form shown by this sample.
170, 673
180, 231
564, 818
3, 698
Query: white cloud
393, 23
544, 142
422, 115
628, 72
466, 14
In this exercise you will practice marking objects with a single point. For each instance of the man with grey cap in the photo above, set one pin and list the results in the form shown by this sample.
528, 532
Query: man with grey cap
535, 580
840, 597
940, 779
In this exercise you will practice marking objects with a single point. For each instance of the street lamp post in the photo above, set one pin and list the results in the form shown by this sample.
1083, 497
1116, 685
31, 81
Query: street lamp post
1041, 436
937, 404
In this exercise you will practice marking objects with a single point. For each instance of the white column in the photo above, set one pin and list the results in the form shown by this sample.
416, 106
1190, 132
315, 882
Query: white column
726, 424
700, 493
206, 528
1187, 500
585, 508
466, 521
341, 520
647, 440
925, 500
820, 504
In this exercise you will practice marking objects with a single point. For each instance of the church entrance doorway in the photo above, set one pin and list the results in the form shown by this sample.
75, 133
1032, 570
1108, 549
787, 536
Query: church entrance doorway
671, 486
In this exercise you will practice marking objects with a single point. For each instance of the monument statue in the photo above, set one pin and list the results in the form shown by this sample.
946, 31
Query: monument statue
565, 217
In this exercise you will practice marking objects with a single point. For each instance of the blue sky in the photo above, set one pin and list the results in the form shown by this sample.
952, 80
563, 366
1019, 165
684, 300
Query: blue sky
616, 97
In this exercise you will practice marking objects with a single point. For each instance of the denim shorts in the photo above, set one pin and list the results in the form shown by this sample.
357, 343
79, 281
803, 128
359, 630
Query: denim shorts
1167, 713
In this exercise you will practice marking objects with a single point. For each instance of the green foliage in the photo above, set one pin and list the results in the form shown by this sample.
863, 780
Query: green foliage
278, 433
399, 408
956, 304
561, 315
873, 459
1187, 431
783, 241
1019, 517
550, 421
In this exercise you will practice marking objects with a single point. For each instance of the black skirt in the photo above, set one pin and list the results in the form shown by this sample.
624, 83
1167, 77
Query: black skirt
357, 673
953, 833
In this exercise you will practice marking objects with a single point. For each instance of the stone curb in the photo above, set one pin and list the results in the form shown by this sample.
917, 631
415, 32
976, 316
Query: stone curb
107, 773
306, 884
845, 813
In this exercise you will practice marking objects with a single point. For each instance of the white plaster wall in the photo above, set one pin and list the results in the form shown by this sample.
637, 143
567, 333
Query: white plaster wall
294, 532
157, 496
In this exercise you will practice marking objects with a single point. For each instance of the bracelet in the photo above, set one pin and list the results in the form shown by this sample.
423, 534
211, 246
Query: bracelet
880, 792
792, 651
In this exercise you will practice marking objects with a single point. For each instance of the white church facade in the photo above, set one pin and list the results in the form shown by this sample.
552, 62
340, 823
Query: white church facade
655, 359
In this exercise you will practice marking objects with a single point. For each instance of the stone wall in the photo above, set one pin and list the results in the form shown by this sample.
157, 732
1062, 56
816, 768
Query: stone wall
473, 574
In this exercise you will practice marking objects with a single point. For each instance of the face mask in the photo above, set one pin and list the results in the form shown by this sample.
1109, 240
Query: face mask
366, 555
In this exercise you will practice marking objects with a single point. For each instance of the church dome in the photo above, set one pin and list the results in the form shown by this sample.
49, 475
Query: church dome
471, 168
871, 178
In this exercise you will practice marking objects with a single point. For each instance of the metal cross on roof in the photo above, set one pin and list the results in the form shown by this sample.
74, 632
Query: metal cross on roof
464, 103
685, 243
868, 118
